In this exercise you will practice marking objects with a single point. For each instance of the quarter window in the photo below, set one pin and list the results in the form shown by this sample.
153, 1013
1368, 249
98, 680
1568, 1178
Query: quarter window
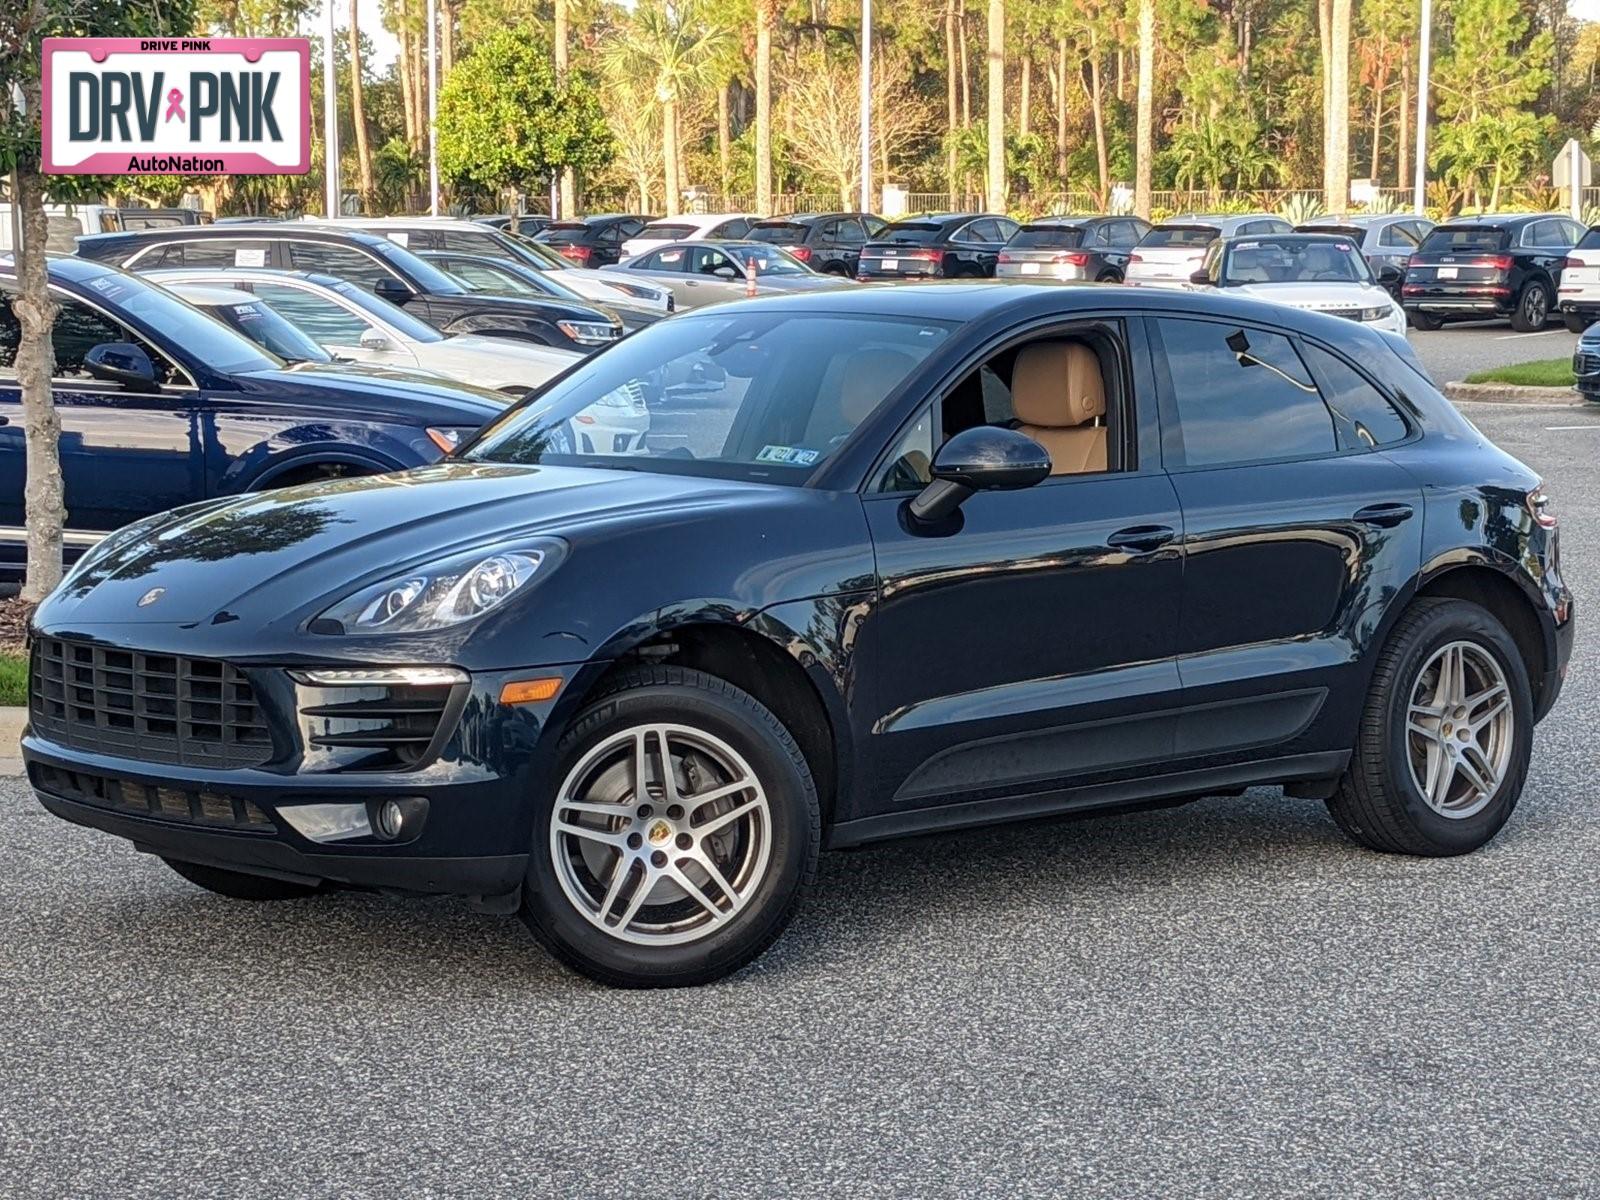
1242, 395
325, 322
1361, 415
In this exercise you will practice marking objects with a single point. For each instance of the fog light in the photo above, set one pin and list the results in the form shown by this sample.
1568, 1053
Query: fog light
391, 820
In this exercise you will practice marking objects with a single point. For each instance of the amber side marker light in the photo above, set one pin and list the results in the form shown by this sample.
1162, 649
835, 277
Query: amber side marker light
529, 691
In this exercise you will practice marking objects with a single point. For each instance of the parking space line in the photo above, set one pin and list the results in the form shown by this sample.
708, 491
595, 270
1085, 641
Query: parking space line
1511, 337
1569, 428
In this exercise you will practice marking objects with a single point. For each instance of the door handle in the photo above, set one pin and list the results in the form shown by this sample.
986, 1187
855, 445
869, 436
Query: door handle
5, 420
1141, 539
1384, 516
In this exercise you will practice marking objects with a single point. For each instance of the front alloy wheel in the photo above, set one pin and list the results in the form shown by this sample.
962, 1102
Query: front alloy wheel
681, 836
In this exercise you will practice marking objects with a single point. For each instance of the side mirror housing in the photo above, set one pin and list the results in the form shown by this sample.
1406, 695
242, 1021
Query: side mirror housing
374, 339
725, 272
391, 289
1201, 278
985, 458
123, 363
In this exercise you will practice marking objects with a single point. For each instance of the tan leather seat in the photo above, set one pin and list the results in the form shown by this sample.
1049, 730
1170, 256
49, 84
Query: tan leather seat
1059, 396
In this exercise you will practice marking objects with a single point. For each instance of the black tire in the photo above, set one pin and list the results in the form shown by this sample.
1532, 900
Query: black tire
1424, 321
237, 885
1378, 803
1575, 322
691, 698
1533, 308
1108, 277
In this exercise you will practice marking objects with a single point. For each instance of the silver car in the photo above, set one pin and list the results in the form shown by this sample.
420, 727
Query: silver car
702, 273
1387, 240
1175, 249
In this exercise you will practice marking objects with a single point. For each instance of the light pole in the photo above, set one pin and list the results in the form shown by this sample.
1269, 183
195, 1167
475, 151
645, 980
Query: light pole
1419, 199
866, 106
330, 117
433, 110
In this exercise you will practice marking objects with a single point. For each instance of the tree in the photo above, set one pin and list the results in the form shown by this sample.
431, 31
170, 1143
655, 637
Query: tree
505, 122
358, 111
21, 57
996, 104
1144, 155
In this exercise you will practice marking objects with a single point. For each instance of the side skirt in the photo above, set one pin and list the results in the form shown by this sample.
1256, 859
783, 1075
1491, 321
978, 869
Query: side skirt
1290, 768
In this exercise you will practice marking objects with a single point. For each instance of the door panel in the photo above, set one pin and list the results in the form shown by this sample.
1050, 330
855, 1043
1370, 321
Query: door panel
996, 650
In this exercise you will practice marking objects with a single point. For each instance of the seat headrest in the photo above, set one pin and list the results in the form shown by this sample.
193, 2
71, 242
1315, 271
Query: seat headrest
1057, 385
869, 376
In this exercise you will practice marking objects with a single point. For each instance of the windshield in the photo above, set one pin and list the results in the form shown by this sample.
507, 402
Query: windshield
769, 260
1293, 260
743, 395
1462, 240
391, 315
779, 233
181, 325
1046, 237
1180, 235
537, 253
421, 272
266, 328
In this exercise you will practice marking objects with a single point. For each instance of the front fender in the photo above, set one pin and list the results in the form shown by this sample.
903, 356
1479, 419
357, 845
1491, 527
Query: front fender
522, 329
371, 450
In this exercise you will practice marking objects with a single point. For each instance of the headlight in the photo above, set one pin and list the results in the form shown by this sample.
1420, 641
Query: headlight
1376, 313
437, 595
588, 333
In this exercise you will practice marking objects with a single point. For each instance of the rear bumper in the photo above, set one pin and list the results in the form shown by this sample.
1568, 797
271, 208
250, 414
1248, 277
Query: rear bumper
1047, 271
1487, 300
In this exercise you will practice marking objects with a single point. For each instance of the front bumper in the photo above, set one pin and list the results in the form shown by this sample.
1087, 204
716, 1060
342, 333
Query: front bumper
477, 794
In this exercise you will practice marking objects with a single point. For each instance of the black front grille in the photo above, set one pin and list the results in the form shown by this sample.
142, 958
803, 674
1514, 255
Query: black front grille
183, 805
1349, 314
1585, 363
372, 727
154, 708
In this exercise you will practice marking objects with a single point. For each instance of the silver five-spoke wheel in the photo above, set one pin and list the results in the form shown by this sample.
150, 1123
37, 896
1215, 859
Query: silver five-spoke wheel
1459, 729
660, 834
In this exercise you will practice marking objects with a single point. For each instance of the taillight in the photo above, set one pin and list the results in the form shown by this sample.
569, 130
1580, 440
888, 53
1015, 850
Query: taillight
1500, 262
925, 255
1543, 511
1077, 258
1414, 261
1568, 263
579, 254
1133, 258
1004, 257
803, 253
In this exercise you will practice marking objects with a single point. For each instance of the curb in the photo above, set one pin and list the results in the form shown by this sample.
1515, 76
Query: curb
11, 722
1513, 393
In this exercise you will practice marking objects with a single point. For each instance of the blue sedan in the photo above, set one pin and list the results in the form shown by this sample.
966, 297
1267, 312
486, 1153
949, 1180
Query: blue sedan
161, 405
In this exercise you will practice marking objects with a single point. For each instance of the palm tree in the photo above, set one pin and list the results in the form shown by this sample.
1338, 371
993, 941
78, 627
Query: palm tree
569, 201
1336, 181
766, 15
1144, 146
358, 111
997, 105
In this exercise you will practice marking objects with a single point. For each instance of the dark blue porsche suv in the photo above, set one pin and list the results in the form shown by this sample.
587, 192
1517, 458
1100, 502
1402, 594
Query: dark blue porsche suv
161, 405
888, 562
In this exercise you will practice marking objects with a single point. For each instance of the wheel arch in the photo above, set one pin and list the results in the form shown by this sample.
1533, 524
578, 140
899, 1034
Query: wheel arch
1480, 581
280, 470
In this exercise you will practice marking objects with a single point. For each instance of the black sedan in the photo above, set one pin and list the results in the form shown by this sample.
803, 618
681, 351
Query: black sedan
377, 264
593, 241
826, 242
938, 246
912, 559
161, 405
1489, 266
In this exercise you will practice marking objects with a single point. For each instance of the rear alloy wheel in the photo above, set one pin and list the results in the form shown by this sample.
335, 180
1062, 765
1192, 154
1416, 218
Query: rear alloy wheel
681, 836
1533, 308
1444, 743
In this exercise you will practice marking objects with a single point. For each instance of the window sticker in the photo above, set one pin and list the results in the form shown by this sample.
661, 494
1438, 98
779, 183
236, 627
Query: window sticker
400, 238
250, 256
792, 456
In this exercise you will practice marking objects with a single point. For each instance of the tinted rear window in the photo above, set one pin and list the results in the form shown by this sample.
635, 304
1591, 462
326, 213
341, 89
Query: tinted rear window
564, 231
1591, 240
911, 233
1180, 235
1452, 241
779, 235
1046, 237
675, 233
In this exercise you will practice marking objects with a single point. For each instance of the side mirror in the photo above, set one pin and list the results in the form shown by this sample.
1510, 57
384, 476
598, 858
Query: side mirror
391, 289
986, 458
725, 272
374, 339
121, 362
1389, 274
1201, 278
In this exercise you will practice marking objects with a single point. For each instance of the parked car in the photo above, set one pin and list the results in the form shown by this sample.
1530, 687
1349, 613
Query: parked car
1386, 240
356, 326
512, 278
64, 223
1578, 295
829, 243
1072, 248
701, 273
1490, 266
1586, 363
1320, 272
421, 234
593, 241
527, 223
380, 265
160, 406
922, 558
691, 227
1173, 250
939, 245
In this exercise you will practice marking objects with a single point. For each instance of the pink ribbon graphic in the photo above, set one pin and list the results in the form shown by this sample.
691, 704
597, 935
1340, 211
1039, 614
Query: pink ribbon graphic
175, 105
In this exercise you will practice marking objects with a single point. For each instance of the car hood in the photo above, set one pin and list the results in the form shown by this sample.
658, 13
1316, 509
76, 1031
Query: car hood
498, 357
271, 558
343, 385
1315, 296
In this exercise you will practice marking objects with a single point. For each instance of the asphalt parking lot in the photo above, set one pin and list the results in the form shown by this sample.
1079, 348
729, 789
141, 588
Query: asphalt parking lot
1219, 1000
1458, 350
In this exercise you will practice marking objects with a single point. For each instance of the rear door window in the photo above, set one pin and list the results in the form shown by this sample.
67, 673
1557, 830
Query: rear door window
1241, 395
342, 262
